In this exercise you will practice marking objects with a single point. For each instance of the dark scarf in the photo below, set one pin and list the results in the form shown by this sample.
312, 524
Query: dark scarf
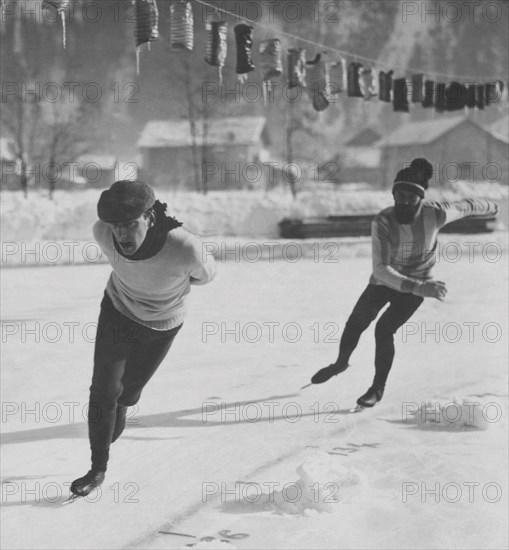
156, 235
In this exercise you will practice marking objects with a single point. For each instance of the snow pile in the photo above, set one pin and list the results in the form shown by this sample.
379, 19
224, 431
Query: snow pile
455, 413
322, 485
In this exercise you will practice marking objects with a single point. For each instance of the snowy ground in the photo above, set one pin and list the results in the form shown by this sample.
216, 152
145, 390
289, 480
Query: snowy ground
224, 443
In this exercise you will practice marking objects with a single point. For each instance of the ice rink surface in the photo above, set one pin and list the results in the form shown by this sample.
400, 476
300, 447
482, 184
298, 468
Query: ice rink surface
225, 445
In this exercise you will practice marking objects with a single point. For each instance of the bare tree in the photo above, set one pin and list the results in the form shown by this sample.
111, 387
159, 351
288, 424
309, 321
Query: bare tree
192, 118
68, 136
204, 146
19, 112
45, 131
290, 129
196, 111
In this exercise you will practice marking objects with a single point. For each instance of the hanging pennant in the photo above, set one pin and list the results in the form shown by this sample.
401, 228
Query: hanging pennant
476, 96
244, 43
493, 91
147, 21
479, 96
440, 97
455, 96
501, 88
296, 68
338, 74
417, 88
368, 83
429, 93
216, 45
270, 58
470, 96
353, 87
385, 86
270, 61
181, 25
400, 96
60, 6
318, 82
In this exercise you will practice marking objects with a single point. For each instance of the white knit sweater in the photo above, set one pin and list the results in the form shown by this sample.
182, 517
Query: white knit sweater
153, 292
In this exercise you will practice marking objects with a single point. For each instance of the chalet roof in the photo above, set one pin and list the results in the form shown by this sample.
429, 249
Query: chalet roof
500, 128
105, 162
424, 132
413, 133
241, 130
361, 138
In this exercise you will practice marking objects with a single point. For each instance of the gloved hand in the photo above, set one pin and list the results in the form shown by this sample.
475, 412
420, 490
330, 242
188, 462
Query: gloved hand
431, 289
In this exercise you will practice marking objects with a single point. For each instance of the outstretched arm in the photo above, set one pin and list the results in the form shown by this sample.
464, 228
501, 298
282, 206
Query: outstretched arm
448, 212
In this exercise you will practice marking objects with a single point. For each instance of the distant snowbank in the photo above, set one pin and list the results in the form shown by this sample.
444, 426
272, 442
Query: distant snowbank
71, 215
235, 213
236, 225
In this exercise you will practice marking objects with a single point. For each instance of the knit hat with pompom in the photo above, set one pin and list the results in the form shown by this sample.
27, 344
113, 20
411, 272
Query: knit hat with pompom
414, 178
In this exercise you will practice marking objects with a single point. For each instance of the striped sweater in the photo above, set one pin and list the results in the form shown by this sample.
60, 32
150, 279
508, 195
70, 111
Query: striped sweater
153, 292
404, 254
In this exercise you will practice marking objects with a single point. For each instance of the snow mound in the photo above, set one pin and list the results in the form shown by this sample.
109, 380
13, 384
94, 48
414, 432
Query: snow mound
455, 413
322, 485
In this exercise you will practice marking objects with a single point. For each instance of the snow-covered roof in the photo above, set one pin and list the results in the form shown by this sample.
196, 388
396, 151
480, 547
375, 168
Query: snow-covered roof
500, 128
362, 138
242, 130
7, 148
421, 132
424, 132
365, 157
105, 162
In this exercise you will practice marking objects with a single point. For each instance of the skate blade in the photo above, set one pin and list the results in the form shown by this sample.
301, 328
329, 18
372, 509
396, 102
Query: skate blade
357, 408
177, 534
71, 499
307, 385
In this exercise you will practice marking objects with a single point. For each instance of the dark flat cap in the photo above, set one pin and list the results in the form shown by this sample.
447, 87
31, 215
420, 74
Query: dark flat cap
125, 200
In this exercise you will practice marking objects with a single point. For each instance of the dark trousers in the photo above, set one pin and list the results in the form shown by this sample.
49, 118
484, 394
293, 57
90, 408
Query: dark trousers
372, 300
126, 356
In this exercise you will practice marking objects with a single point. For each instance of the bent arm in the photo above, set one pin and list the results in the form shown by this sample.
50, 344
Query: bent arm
382, 269
202, 267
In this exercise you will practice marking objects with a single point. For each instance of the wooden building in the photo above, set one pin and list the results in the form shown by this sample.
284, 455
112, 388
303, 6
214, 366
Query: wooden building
228, 153
458, 148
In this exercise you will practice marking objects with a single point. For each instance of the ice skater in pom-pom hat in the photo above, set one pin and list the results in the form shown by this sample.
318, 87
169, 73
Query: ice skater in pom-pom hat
154, 261
404, 242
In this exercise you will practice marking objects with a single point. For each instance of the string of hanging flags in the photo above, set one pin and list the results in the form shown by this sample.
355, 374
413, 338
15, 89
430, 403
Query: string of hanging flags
325, 77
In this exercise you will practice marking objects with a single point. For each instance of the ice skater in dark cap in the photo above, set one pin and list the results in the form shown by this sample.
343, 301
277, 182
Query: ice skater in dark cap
404, 243
154, 262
